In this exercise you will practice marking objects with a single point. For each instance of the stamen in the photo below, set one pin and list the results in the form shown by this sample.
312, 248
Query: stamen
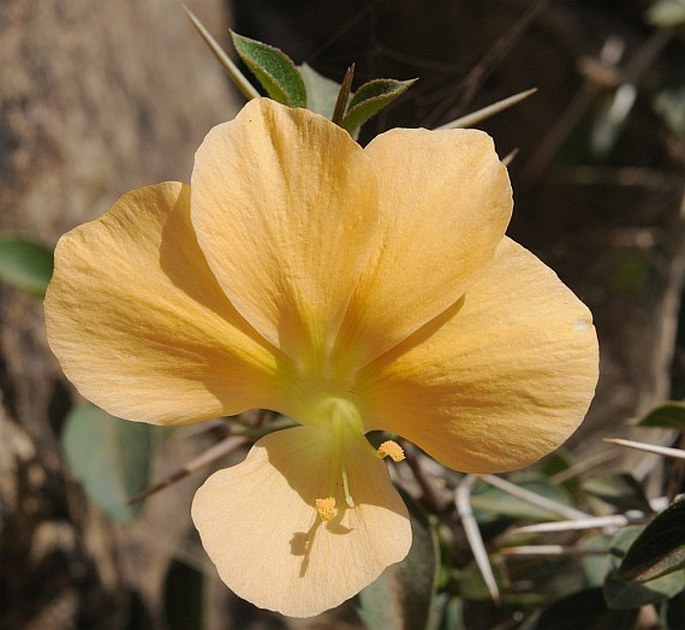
325, 508
346, 488
391, 449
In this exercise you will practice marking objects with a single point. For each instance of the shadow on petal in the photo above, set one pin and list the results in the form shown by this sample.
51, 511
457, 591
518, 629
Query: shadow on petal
259, 524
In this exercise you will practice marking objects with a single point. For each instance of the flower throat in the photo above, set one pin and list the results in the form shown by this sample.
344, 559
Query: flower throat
341, 419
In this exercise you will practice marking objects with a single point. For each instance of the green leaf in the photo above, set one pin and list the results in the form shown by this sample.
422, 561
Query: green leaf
623, 594
558, 462
670, 105
596, 566
321, 91
554, 463
659, 549
611, 118
274, 70
585, 609
671, 415
402, 596
667, 13
472, 586
370, 98
25, 265
109, 456
621, 490
453, 618
491, 503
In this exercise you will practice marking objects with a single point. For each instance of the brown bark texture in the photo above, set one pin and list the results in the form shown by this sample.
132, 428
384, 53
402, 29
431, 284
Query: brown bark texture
95, 99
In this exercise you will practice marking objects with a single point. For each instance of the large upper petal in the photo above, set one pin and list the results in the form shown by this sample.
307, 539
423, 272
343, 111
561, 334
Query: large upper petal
497, 381
444, 204
141, 326
284, 205
259, 526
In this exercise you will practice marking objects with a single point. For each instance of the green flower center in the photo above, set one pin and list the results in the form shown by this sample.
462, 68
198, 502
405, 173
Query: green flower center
340, 422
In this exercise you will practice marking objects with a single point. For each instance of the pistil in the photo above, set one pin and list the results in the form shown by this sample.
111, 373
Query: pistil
341, 423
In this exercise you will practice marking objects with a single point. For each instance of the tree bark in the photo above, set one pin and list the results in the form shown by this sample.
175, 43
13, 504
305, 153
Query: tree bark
95, 99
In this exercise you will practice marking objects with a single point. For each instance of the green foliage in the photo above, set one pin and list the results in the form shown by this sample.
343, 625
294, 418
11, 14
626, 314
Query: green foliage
371, 98
624, 594
659, 549
453, 615
472, 586
25, 265
402, 596
321, 92
620, 490
630, 273
491, 503
595, 565
274, 70
667, 13
573, 578
670, 105
110, 457
301, 86
670, 415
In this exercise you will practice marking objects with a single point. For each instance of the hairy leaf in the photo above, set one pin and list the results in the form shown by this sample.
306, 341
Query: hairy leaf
275, 71
370, 98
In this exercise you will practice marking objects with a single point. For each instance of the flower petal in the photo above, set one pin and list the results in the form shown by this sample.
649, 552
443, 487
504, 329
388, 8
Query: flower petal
139, 323
284, 205
500, 379
444, 204
259, 526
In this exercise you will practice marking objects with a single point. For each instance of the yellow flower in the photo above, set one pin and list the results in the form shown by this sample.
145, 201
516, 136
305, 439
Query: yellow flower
350, 289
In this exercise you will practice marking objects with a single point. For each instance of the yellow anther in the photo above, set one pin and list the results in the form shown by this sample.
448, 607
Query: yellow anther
325, 508
392, 450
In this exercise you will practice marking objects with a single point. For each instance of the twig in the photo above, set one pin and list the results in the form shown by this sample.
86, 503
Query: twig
238, 78
509, 157
462, 500
609, 57
535, 499
583, 466
470, 85
648, 448
213, 453
592, 522
552, 550
430, 493
343, 96
488, 112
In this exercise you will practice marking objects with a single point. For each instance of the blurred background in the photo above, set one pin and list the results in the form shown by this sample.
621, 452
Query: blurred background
99, 98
